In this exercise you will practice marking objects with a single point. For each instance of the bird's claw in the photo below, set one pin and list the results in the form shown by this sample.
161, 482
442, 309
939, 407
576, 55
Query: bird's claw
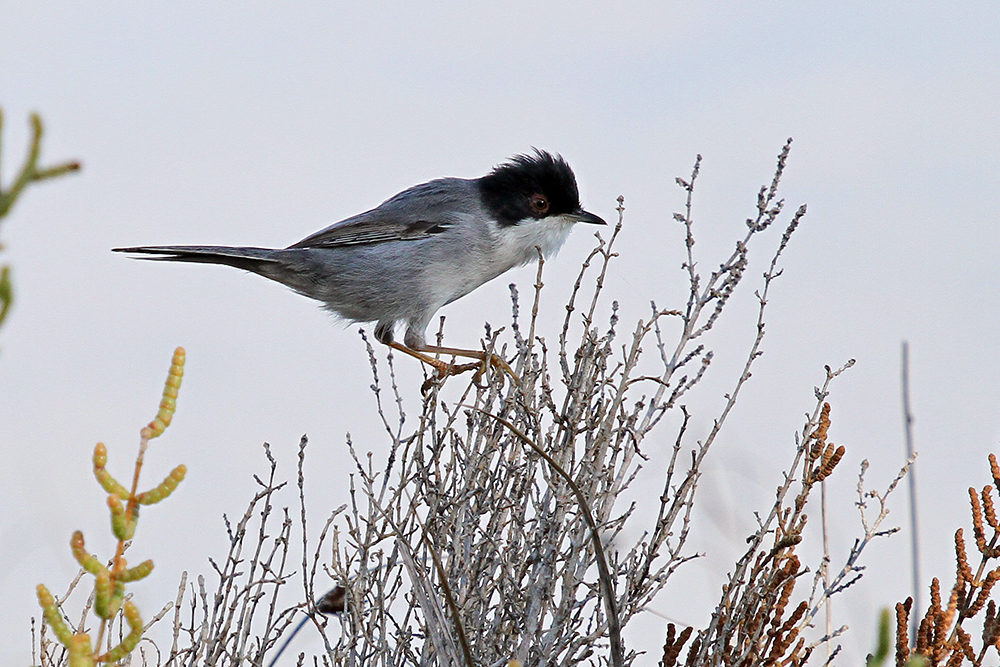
444, 369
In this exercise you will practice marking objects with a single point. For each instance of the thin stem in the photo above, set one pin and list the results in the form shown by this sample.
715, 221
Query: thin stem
912, 483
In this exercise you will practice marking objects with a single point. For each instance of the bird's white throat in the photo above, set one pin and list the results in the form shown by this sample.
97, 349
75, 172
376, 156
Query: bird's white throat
518, 243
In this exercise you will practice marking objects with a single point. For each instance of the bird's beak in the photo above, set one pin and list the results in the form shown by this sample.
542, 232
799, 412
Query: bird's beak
579, 215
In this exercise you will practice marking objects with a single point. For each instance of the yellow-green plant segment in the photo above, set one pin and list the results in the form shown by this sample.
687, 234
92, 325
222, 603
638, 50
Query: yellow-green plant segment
105, 479
81, 654
131, 640
52, 615
115, 488
169, 403
108, 595
88, 562
140, 571
30, 172
6, 293
122, 525
164, 488
109, 580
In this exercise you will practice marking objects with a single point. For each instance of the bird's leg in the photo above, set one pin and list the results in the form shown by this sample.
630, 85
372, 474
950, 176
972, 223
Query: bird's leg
423, 352
443, 368
484, 357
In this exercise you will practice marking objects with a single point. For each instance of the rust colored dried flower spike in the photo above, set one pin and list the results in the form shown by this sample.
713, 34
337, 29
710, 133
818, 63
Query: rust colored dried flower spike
961, 558
984, 593
991, 626
902, 634
787, 634
988, 508
819, 433
831, 457
995, 470
964, 645
946, 618
169, 402
816, 450
673, 644
934, 608
983, 596
977, 520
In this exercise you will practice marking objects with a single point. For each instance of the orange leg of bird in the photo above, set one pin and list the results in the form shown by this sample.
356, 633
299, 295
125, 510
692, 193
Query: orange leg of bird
494, 360
444, 369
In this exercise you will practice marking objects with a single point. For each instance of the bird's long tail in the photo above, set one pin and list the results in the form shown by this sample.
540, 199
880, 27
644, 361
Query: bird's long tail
255, 260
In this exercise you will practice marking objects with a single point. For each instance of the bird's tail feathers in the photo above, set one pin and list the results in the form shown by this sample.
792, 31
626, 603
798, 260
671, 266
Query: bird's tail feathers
248, 259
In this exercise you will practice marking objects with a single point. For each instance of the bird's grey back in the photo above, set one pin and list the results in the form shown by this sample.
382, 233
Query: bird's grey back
420, 207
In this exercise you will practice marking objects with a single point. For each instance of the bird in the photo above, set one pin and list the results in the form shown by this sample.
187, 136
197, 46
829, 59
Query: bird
433, 243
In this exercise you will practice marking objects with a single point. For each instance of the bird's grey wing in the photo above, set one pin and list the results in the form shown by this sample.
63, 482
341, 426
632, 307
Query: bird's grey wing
417, 213
368, 228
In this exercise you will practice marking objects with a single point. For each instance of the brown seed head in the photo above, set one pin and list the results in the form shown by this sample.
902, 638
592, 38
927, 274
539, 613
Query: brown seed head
964, 571
984, 594
988, 509
995, 469
902, 628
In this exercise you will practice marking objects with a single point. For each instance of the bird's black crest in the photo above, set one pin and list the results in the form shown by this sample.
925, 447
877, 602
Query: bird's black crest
508, 188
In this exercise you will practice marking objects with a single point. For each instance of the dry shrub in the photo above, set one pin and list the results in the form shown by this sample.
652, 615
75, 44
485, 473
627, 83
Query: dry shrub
493, 533
943, 636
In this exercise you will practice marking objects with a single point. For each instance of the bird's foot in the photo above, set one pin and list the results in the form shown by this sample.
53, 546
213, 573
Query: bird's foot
445, 369
486, 359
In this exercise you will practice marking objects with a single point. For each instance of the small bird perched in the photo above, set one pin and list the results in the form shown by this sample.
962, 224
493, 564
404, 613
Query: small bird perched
419, 250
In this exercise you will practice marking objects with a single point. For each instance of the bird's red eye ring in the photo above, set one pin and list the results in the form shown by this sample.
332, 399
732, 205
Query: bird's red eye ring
539, 204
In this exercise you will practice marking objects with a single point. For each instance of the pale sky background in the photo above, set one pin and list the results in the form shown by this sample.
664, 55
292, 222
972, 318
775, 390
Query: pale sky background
257, 125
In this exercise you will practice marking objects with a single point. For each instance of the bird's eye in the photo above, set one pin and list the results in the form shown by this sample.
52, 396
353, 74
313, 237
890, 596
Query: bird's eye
539, 204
